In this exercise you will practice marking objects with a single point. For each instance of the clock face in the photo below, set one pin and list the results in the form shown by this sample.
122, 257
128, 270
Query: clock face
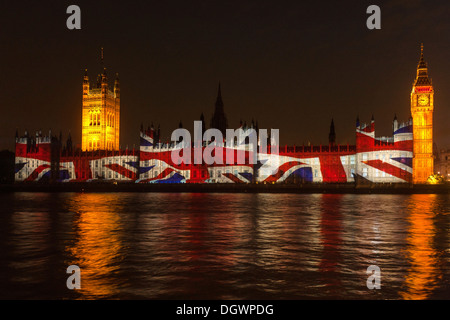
423, 100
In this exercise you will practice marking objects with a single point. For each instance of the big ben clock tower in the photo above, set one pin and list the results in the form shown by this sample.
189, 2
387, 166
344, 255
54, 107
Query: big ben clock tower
422, 105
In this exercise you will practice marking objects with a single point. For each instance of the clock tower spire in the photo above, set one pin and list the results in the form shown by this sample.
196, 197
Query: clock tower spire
422, 105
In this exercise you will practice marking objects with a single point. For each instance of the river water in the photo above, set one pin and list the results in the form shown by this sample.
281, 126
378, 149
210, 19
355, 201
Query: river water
224, 246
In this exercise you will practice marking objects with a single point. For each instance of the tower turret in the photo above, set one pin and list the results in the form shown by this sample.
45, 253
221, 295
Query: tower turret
395, 123
117, 87
85, 84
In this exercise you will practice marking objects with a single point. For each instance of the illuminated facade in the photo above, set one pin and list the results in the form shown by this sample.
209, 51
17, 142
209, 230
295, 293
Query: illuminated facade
100, 114
422, 105
404, 157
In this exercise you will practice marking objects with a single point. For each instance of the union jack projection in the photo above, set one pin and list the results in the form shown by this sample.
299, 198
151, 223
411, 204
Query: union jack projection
372, 159
41, 159
33, 159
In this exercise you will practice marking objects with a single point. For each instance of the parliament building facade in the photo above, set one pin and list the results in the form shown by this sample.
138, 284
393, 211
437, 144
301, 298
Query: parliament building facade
404, 157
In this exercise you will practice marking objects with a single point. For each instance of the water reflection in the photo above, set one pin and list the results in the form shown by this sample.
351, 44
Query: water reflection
224, 246
422, 277
331, 239
97, 247
30, 245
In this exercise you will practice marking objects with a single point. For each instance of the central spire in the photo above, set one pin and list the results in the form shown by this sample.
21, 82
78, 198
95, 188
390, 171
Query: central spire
219, 102
219, 119
332, 134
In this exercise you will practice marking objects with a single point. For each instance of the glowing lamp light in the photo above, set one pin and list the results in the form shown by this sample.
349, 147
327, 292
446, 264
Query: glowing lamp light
435, 179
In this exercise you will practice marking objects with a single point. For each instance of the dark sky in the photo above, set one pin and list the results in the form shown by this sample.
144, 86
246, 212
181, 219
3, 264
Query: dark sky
291, 65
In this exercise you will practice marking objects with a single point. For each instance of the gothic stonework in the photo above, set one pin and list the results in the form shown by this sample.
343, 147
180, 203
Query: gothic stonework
101, 114
422, 105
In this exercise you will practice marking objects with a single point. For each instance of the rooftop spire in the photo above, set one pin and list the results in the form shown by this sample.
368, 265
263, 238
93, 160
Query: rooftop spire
219, 119
219, 101
422, 63
332, 134
422, 71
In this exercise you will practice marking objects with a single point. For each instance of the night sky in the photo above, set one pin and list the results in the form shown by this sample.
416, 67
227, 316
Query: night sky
290, 65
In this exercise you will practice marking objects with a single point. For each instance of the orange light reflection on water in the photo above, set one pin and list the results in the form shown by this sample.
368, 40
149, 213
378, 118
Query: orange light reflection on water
422, 277
97, 246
